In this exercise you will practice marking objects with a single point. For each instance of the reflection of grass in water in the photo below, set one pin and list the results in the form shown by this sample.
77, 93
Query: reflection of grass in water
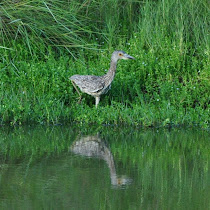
125, 143
171, 166
167, 166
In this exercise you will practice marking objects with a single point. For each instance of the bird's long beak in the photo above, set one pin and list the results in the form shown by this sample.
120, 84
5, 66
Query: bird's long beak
128, 56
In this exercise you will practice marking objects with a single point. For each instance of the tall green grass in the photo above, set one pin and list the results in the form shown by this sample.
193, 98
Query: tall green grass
45, 42
71, 24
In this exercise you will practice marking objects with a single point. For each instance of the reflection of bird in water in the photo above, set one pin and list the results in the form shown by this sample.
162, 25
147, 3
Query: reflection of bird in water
98, 85
93, 146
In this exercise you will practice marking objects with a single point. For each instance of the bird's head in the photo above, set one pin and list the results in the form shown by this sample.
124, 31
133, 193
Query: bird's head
116, 55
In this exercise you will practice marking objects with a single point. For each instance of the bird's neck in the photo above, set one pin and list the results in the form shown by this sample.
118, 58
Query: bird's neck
109, 76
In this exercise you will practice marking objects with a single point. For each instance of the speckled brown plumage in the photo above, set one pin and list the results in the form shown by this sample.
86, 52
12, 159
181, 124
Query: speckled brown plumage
98, 85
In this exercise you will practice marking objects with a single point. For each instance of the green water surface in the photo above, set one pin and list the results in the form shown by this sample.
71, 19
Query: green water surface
69, 167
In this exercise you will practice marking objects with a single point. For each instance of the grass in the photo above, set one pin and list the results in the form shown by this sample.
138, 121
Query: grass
44, 43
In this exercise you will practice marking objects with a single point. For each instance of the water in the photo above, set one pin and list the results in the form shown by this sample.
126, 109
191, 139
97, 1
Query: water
104, 168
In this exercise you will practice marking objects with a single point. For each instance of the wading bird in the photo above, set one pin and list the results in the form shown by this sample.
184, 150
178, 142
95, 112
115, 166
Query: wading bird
98, 85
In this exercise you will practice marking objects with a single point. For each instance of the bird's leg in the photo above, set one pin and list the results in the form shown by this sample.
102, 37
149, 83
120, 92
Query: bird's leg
80, 97
97, 100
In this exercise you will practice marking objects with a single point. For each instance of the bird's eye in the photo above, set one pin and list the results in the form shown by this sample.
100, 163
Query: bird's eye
120, 54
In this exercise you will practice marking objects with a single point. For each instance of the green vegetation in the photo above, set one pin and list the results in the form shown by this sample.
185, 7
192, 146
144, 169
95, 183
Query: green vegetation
43, 43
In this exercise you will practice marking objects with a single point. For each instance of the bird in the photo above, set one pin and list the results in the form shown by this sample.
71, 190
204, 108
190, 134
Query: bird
98, 85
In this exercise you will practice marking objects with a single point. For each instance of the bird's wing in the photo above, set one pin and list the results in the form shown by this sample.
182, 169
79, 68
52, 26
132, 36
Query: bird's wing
88, 83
